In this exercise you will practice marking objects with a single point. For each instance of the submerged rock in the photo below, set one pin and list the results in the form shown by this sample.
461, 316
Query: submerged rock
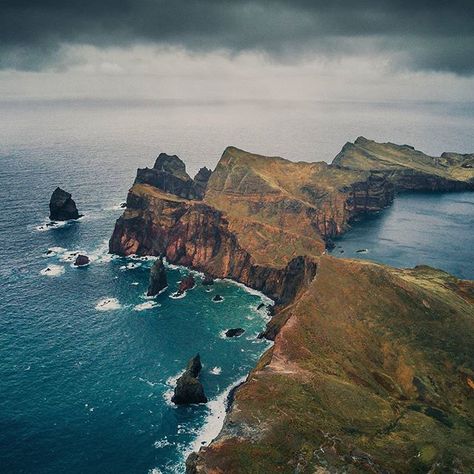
158, 280
81, 260
361, 251
235, 332
217, 298
188, 388
260, 306
62, 207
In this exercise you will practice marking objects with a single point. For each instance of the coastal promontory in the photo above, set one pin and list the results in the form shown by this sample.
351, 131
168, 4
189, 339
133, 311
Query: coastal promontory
372, 367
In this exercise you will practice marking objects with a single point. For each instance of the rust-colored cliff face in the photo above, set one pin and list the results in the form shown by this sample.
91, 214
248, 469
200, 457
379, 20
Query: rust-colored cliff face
262, 221
196, 235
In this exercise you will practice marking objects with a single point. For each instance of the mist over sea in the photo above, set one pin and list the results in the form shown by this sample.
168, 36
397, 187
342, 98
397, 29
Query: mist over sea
85, 390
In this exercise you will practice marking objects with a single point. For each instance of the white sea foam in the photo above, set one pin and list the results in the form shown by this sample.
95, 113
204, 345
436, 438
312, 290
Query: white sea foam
162, 443
116, 207
175, 296
130, 266
171, 383
53, 251
52, 270
215, 371
155, 470
264, 298
108, 304
50, 225
215, 419
145, 306
151, 384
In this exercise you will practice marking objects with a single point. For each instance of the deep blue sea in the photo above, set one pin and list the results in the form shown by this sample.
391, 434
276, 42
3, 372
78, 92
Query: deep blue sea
86, 390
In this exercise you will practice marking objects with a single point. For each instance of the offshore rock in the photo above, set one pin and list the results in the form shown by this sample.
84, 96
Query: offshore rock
188, 388
158, 281
234, 332
81, 260
186, 284
62, 207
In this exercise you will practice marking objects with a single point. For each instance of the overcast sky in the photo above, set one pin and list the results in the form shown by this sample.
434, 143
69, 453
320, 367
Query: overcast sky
298, 49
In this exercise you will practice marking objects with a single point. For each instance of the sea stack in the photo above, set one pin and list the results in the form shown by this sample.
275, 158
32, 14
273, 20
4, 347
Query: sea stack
158, 280
188, 388
62, 207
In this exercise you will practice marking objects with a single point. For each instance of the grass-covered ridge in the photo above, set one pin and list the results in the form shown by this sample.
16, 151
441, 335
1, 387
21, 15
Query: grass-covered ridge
373, 372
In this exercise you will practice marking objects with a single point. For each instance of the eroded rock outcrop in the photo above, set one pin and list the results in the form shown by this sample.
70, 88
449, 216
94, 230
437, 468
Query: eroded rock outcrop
169, 174
62, 207
158, 280
189, 389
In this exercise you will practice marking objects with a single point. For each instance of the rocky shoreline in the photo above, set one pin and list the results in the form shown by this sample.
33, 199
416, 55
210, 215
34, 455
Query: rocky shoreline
265, 222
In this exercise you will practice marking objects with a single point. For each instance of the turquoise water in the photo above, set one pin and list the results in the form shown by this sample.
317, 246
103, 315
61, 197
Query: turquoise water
86, 391
419, 228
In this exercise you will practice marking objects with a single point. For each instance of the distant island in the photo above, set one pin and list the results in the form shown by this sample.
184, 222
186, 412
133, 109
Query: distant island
372, 367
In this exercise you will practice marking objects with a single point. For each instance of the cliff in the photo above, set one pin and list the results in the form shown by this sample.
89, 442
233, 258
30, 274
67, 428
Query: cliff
409, 169
373, 372
261, 221
372, 367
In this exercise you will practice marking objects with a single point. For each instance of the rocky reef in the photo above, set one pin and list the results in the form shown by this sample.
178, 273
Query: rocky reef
371, 370
158, 280
62, 207
188, 388
409, 169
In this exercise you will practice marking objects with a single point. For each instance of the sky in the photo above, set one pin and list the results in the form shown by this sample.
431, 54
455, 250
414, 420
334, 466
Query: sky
223, 49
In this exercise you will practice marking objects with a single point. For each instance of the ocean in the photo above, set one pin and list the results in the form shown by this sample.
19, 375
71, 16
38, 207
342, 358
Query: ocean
85, 385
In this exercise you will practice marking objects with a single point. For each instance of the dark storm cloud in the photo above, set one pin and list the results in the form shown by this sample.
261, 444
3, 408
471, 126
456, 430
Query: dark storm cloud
421, 34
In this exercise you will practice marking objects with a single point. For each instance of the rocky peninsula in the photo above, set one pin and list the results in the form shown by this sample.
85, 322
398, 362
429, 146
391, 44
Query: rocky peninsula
372, 367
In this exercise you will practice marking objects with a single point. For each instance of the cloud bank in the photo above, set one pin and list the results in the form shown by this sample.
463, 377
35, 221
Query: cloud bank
417, 35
